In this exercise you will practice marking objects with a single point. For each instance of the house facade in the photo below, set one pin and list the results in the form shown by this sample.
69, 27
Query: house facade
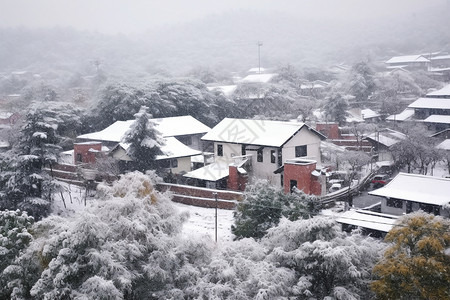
408, 193
181, 135
405, 194
260, 147
413, 62
382, 141
434, 109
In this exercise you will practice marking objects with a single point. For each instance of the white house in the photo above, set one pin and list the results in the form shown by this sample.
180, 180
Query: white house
181, 135
434, 109
407, 193
186, 129
382, 141
408, 61
258, 146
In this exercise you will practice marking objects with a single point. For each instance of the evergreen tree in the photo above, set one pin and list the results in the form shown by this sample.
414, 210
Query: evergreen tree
145, 141
264, 205
27, 186
336, 108
328, 263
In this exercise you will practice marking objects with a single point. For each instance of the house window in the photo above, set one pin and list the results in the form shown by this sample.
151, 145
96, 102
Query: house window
79, 157
273, 157
219, 150
397, 203
174, 163
259, 155
301, 151
243, 152
429, 208
280, 157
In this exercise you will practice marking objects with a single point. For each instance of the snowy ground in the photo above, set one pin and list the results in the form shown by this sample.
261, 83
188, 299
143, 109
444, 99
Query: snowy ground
202, 221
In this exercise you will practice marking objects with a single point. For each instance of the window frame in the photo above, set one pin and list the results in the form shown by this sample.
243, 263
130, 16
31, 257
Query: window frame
299, 150
259, 155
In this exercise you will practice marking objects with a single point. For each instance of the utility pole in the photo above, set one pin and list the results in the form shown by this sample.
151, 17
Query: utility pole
259, 56
215, 196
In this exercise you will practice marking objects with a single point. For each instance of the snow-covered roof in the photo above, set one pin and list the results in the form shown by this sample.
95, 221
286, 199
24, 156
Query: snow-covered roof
441, 119
258, 78
227, 90
367, 219
255, 132
312, 85
387, 137
407, 59
211, 172
256, 70
172, 148
182, 125
444, 145
4, 144
437, 103
173, 126
440, 57
403, 116
357, 115
416, 188
445, 91
113, 133
368, 113
5, 115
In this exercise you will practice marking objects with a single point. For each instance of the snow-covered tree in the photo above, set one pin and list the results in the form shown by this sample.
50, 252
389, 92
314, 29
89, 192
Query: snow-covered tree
416, 264
239, 270
264, 205
326, 261
27, 186
361, 82
125, 246
14, 238
145, 141
336, 107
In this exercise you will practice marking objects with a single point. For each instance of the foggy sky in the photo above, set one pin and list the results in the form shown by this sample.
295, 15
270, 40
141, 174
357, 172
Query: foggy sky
133, 16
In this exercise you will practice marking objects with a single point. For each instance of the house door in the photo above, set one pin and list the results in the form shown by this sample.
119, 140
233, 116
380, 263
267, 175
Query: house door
292, 184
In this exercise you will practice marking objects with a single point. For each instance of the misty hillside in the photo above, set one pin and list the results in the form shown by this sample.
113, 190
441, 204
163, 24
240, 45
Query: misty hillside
225, 42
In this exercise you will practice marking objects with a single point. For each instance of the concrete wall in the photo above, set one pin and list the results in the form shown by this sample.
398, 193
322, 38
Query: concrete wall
184, 165
266, 168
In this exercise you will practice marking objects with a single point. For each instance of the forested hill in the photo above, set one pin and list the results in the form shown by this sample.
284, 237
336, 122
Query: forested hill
227, 41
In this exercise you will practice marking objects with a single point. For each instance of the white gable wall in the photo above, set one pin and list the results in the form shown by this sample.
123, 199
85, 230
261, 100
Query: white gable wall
303, 137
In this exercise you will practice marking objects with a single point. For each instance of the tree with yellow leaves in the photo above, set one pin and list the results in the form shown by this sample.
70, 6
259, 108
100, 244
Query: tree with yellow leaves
417, 264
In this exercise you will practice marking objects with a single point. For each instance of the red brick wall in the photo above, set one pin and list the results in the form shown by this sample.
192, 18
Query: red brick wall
86, 155
330, 130
316, 187
302, 174
199, 192
236, 181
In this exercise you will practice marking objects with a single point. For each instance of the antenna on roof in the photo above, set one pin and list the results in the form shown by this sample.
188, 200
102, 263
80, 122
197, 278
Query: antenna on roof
259, 56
